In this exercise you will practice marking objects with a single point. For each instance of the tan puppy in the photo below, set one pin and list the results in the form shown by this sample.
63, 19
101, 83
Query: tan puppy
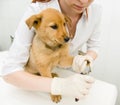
49, 47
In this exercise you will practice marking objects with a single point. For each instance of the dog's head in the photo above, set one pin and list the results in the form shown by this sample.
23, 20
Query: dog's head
50, 27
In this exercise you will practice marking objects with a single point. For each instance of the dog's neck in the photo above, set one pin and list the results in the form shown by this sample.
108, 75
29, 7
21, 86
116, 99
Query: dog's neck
53, 48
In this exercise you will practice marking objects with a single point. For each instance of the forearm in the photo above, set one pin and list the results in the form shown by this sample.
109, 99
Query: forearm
29, 81
70, 86
91, 53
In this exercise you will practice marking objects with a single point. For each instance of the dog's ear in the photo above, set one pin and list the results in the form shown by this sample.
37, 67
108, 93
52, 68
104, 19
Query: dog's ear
34, 21
68, 20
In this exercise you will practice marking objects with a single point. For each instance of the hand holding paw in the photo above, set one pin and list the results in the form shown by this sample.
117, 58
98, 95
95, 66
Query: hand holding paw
82, 64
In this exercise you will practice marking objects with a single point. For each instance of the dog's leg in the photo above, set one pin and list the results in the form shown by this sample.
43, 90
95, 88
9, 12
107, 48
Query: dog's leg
46, 72
55, 98
66, 61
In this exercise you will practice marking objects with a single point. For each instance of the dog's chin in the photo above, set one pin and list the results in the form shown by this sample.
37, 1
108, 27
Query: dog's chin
54, 44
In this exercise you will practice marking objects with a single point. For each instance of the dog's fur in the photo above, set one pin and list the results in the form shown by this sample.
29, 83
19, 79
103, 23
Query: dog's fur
49, 47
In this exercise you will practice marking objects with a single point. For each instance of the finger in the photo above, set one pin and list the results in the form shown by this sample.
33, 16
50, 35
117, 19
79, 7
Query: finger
85, 92
89, 79
88, 85
81, 96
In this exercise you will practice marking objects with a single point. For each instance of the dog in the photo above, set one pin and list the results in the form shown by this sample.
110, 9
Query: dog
50, 46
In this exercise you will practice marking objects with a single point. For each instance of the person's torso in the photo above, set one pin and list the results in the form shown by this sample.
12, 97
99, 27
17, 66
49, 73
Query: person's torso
84, 27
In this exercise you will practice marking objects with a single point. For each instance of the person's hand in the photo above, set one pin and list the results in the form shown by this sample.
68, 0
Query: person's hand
81, 62
76, 86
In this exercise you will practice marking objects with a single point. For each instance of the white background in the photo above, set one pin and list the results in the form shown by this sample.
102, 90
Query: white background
107, 66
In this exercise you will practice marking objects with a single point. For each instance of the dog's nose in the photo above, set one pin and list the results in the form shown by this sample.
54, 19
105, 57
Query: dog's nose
66, 39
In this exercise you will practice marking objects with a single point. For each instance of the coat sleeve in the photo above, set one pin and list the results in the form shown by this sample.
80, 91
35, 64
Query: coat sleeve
94, 42
18, 53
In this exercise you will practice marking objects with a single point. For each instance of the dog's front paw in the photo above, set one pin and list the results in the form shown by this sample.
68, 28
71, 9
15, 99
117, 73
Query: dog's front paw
56, 98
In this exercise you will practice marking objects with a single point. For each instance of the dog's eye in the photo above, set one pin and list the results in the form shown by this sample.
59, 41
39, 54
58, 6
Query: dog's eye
54, 26
64, 24
35, 22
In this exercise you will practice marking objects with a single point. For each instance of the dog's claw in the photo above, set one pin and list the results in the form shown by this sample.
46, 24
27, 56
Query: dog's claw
56, 98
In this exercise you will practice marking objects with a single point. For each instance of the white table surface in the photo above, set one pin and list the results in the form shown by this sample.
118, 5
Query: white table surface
101, 93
